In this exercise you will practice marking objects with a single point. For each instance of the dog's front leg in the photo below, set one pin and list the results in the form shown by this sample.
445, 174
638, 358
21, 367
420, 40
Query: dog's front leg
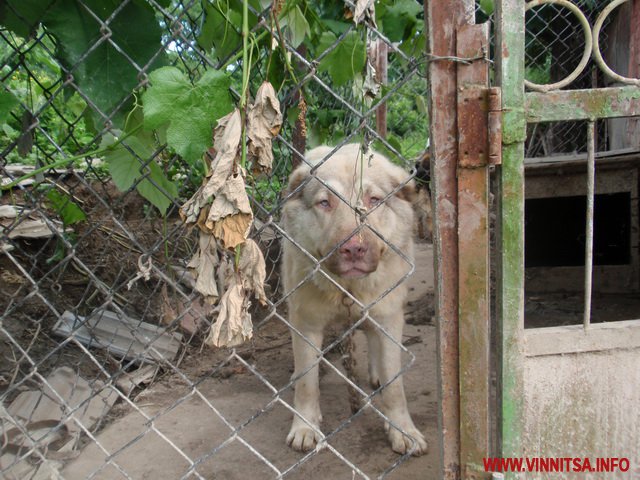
394, 403
305, 429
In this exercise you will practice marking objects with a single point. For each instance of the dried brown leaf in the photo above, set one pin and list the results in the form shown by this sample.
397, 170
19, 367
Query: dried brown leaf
230, 215
253, 269
226, 142
204, 264
371, 85
264, 120
233, 325
365, 12
233, 230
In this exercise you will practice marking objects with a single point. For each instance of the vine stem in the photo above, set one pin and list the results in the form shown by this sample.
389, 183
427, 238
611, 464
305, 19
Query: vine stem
244, 97
65, 161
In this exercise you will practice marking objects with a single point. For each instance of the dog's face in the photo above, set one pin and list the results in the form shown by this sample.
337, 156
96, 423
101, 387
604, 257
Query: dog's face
349, 209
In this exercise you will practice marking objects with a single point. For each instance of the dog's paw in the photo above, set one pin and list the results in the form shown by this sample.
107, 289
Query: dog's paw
403, 443
303, 438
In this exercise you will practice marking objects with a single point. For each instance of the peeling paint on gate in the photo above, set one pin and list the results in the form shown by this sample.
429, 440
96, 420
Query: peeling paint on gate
510, 39
443, 20
473, 248
566, 105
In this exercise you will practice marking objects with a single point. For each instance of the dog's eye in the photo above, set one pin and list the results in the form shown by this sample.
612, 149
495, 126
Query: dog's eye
324, 204
374, 201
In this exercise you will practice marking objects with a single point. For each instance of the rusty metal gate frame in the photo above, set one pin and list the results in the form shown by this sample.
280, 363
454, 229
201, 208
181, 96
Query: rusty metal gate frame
465, 142
469, 124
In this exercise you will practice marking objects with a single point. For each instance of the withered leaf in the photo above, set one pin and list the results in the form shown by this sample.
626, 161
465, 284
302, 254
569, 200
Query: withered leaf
230, 215
371, 85
226, 142
253, 269
232, 230
203, 264
365, 12
233, 325
264, 120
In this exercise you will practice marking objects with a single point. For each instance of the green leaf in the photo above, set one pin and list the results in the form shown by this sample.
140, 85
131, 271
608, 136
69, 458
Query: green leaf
127, 168
346, 60
486, 6
67, 209
297, 26
421, 105
335, 26
399, 18
7, 102
23, 16
394, 142
220, 29
292, 115
106, 76
191, 111
222, 25
158, 189
9, 132
277, 71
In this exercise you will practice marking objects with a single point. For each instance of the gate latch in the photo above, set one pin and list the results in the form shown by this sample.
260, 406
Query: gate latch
479, 126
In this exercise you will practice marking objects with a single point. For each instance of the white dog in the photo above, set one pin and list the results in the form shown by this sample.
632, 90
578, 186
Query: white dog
355, 256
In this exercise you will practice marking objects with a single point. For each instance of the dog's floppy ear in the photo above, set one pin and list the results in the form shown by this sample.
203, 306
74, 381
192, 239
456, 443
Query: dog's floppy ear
295, 180
400, 178
408, 191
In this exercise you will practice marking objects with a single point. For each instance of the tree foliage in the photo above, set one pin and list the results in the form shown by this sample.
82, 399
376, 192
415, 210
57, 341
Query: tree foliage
144, 100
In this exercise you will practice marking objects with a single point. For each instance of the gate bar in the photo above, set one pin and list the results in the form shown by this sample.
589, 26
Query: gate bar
443, 20
588, 261
473, 248
509, 58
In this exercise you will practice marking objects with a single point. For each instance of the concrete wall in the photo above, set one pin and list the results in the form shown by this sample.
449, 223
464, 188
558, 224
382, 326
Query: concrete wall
582, 394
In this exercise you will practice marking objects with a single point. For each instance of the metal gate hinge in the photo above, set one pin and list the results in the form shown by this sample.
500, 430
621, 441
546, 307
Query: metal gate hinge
479, 126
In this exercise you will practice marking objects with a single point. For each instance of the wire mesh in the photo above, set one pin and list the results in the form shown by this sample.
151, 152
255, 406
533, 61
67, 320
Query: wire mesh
554, 42
102, 348
100, 324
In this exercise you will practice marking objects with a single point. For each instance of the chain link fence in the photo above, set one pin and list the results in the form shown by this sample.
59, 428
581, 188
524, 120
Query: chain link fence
104, 371
555, 41
554, 45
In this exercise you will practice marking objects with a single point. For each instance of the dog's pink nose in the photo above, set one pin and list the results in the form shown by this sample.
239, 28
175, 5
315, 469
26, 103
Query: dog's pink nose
354, 249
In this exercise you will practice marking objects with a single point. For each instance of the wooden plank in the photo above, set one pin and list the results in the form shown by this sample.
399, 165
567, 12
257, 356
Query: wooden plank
565, 105
583, 405
473, 250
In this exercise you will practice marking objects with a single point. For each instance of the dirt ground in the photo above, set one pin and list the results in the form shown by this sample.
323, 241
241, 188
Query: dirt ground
171, 417
149, 434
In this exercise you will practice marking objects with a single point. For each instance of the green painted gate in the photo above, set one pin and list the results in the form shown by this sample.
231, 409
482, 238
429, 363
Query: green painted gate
559, 391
